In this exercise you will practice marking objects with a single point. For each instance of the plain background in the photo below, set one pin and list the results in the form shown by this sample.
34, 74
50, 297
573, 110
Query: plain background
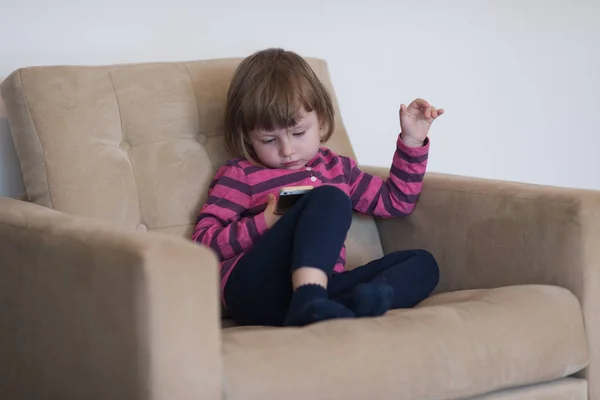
519, 79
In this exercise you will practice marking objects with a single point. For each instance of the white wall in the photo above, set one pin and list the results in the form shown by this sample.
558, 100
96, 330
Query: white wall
519, 79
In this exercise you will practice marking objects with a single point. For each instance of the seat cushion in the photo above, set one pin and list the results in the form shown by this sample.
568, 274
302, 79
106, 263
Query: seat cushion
452, 346
561, 389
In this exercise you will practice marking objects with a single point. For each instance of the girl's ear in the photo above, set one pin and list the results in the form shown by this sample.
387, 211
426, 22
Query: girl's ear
323, 131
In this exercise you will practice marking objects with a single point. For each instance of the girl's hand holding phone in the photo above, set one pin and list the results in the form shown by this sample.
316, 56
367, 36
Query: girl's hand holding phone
270, 217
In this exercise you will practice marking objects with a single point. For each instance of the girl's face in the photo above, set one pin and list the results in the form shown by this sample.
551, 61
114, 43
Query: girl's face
289, 148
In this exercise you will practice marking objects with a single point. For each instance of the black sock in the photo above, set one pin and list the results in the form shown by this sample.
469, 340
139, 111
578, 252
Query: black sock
310, 304
368, 299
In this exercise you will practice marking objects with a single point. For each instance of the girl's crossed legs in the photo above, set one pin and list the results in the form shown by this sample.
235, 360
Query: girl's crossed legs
259, 291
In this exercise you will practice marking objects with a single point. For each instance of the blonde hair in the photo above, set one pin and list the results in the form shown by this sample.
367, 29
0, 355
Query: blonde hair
267, 92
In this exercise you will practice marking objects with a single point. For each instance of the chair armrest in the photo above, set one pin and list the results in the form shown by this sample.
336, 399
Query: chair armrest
489, 233
91, 311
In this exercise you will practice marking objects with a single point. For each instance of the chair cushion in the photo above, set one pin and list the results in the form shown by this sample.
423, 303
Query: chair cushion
561, 389
452, 346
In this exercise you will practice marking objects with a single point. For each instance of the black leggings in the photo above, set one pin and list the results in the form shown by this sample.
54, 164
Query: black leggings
259, 289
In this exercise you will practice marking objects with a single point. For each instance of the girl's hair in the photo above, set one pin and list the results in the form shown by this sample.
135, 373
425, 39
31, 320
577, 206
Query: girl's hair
267, 92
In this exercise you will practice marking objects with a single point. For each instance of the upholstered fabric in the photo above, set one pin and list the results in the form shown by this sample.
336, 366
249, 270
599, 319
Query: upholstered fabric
562, 389
92, 311
489, 234
452, 347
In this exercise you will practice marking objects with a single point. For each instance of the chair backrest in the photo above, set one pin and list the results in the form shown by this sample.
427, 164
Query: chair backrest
136, 144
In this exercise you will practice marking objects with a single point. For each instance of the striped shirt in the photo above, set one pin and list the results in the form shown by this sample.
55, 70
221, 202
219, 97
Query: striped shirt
232, 218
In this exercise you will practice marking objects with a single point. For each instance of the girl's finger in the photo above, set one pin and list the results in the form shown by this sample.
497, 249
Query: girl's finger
427, 113
434, 112
422, 103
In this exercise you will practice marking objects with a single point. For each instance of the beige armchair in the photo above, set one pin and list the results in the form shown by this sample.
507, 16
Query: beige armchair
103, 295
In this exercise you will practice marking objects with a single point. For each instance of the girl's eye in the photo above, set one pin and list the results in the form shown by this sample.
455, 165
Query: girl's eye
299, 133
267, 141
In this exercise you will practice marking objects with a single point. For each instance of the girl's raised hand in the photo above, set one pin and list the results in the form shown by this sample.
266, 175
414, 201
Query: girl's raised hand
415, 121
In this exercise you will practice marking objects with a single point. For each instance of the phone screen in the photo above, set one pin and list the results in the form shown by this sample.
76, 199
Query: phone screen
288, 197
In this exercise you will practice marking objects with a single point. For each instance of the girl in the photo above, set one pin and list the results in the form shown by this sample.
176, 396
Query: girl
289, 270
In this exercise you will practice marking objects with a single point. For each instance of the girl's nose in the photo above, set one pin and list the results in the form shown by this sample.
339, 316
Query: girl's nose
286, 148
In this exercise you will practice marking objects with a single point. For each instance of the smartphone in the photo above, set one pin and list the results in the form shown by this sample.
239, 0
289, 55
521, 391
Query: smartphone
288, 196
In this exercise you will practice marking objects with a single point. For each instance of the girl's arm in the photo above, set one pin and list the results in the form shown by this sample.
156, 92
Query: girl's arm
399, 193
221, 224
395, 196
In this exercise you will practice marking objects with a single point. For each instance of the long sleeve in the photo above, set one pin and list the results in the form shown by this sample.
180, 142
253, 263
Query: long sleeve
220, 224
395, 196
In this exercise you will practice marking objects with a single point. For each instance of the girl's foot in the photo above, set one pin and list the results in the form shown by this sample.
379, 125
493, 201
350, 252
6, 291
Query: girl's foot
310, 304
368, 299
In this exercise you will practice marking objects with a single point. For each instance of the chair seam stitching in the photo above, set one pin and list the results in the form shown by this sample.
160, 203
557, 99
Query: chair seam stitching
122, 140
37, 136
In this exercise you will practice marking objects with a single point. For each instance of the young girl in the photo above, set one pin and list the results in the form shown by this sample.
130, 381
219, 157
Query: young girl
289, 270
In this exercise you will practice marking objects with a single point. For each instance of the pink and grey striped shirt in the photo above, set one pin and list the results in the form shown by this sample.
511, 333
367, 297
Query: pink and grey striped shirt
232, 218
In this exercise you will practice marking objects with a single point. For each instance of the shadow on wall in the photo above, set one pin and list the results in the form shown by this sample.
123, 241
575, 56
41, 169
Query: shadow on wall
11, 180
